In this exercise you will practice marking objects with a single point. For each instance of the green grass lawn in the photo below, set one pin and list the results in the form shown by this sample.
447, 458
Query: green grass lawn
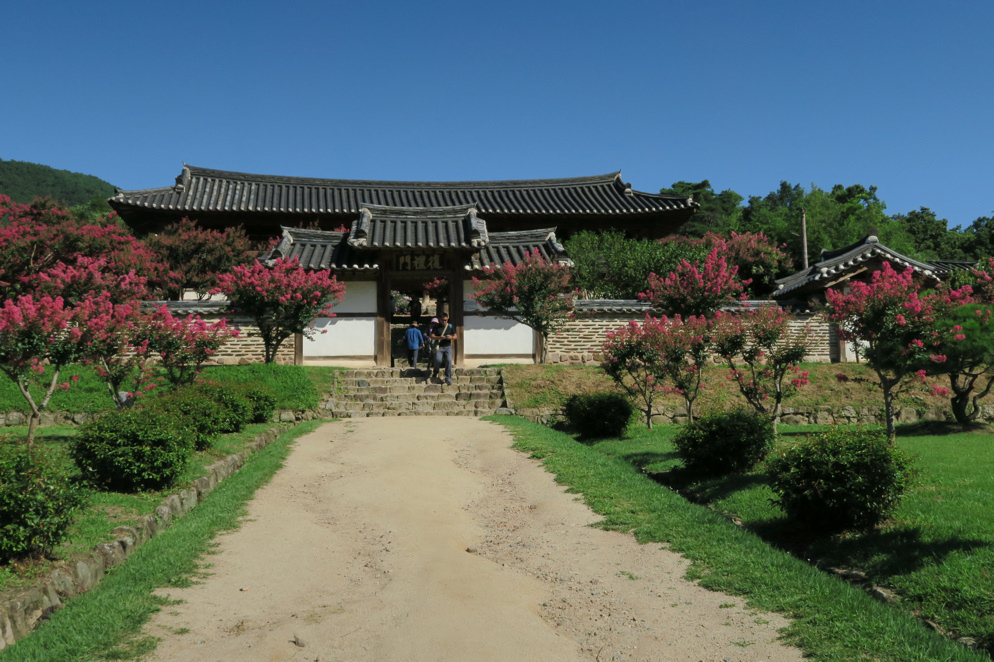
937, 553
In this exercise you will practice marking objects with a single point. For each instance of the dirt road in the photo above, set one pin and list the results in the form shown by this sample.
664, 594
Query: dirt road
430, 539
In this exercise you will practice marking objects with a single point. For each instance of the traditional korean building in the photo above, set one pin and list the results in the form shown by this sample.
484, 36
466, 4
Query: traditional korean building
381, 237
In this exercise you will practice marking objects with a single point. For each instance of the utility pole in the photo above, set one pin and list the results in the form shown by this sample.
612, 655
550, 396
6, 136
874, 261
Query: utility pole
804, 237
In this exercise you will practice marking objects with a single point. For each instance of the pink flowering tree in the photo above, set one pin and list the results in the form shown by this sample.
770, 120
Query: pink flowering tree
282, 300
696, 288
965, 343
35, 332
684, 347
182, 344
34, 241
197, 255
116, 345
763, 354
895, 329
633, 358
534, 292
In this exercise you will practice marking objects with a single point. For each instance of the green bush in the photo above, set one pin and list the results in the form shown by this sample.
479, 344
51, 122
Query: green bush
205, 418
598, 415
846, 478
144, 448
234, 409
724, 443
37, 502
260, 397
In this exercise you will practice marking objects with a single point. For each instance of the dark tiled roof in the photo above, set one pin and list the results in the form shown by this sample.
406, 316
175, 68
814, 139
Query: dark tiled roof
317, 249
947, 267
203, 190
834, 264
408, 227
511, 247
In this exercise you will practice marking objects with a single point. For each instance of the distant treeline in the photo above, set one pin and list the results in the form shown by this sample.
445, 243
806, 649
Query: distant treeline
835, 218
24, 182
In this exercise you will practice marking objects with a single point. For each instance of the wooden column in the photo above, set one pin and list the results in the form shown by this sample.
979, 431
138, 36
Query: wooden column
456, 315
382, 346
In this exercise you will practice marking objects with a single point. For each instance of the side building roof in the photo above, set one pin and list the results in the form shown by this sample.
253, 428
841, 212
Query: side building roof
218, 197
840, 264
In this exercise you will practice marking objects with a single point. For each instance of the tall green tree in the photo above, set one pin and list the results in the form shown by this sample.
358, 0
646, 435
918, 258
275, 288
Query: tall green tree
719, 212
927, 231
609, 265
835, 218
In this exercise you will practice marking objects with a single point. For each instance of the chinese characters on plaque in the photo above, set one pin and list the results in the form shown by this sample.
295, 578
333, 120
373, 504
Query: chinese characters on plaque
418, 262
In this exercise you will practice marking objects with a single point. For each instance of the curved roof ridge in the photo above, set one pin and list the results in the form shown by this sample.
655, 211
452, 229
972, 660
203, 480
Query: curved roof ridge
496, 183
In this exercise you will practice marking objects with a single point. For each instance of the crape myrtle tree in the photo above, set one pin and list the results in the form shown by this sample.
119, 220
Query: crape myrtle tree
895, 327
633, 358
698, 288
762, 351
282, 299
34, 241
535, 292
35, 332
198, 255
758, 260
965, 338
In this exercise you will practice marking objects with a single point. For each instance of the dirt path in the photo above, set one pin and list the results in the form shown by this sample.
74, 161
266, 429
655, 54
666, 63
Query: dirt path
430, 539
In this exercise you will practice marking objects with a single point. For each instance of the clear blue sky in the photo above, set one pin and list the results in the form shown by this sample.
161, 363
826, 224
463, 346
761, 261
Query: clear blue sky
746, 94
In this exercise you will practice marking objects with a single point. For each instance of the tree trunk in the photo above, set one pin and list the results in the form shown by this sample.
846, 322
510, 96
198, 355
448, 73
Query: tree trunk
690, 409
33, 428
887, 387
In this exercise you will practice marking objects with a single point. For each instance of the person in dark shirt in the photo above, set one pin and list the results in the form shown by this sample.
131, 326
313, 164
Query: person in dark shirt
444, 333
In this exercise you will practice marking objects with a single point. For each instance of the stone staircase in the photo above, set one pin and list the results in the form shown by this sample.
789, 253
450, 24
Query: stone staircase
406, 392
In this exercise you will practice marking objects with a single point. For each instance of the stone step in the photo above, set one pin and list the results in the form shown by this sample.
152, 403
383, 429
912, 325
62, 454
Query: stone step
409, 392
431, 389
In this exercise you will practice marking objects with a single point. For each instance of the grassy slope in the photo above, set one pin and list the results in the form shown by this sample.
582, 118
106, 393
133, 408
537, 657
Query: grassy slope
832, 620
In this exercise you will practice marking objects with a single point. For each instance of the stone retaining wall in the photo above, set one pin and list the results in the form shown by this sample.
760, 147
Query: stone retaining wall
824, 415
580, 341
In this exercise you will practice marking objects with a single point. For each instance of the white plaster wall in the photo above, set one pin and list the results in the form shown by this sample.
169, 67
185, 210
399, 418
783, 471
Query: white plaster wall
346, 336
360, 297
493, 336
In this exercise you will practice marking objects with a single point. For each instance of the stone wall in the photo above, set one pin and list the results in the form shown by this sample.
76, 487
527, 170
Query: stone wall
248, 347
581, 340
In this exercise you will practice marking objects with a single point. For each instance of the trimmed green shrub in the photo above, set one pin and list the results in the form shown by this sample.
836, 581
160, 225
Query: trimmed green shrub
846, 478
724, 443
143, 448
260, 397
205, 418
235, 410
598, 415
37, 502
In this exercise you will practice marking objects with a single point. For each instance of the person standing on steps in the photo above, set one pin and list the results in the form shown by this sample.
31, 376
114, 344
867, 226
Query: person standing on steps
444, 333
415, 342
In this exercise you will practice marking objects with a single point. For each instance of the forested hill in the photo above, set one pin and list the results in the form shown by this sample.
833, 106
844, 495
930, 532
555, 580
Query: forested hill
24, 182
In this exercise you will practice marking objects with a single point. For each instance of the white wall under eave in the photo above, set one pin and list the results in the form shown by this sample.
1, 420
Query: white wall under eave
360, 297
493, 336
343, 336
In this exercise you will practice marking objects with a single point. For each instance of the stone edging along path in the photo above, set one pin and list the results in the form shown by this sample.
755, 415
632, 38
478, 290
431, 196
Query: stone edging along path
22, 614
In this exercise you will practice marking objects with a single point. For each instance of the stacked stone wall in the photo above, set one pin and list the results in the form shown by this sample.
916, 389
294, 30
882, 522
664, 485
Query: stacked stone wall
248, 346
581, 340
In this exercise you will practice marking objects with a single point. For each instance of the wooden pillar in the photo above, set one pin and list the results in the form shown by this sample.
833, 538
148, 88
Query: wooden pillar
382, 347
456, 315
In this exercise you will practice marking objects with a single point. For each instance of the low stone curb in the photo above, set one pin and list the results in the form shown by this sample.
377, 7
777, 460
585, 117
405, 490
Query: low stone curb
20, 615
